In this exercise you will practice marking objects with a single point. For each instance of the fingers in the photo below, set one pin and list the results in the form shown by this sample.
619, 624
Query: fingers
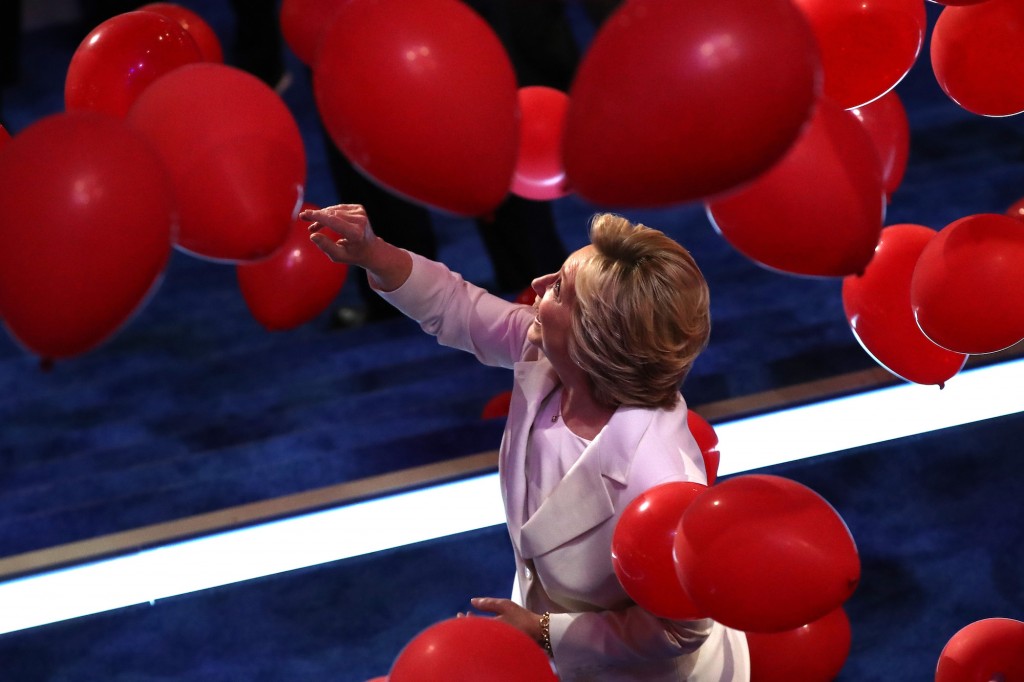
349, 220
492, 605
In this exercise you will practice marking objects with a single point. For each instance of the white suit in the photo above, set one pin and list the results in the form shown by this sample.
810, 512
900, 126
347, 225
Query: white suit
563, 551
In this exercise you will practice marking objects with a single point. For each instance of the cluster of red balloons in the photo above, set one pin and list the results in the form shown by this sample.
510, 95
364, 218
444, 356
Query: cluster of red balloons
929, 299
161, 145
758, 553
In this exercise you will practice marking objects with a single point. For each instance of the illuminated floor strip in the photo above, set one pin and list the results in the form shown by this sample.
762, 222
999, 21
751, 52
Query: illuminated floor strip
398, 520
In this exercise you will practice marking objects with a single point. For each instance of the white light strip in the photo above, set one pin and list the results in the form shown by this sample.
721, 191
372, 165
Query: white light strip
398, 520
870, 417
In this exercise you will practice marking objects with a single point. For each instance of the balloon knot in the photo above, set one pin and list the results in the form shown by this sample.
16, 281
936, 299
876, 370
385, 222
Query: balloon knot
942, 385
46, 364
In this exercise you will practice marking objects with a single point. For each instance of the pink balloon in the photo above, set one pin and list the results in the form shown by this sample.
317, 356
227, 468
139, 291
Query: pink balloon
235, 154
294, 285
977, 55
885, 119
989, 649
676, 101
121, 57
966, 284
878, 309
539, 172
421, 97
867, 46
818, 211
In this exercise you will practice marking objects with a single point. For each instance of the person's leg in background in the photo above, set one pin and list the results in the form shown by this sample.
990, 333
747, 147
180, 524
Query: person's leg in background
10, 49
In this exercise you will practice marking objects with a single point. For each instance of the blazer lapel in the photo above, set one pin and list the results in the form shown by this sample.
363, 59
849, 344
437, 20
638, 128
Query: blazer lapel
534, 381
582, 500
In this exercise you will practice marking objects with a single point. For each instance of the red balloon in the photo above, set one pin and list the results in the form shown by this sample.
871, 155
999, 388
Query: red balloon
642, 549
4, 136
121, 57
1016, 210
763, 553
707, 441
497, 406
676, 101
819, 211
86, 214
469, 650
965, 286
977, 55
885, 119
539, 172
878, 309
815, 652
421, 96
235, 155
303, 23
293, 285
527, 296
201, 32
989, 649
867, 46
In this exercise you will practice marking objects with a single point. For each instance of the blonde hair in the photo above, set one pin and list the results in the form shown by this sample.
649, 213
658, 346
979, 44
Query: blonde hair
642, 314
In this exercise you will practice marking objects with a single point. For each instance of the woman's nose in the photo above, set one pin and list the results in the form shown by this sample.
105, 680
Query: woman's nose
541, 284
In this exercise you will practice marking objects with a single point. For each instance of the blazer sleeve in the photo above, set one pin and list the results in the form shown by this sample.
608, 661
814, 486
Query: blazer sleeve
620, 637
462, 315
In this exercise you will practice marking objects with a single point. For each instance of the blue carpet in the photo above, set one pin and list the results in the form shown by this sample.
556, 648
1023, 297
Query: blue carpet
938, 520
193, 407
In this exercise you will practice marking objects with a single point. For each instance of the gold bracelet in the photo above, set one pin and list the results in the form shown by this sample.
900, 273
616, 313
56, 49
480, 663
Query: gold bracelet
545, 632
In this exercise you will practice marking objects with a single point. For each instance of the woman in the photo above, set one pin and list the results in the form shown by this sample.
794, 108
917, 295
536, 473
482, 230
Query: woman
596, 419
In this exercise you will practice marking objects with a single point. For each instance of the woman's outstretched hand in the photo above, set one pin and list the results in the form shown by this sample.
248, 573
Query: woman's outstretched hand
343, 232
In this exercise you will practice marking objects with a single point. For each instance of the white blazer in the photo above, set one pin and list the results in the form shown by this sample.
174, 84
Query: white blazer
563, 551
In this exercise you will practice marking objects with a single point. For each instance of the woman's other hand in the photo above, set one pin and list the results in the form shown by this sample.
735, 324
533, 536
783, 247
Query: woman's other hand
512, 614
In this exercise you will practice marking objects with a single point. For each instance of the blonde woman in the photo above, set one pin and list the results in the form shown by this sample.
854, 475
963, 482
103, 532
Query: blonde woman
596, 419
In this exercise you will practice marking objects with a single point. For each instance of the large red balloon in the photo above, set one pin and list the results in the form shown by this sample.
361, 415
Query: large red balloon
4, 137
707, 441
675, 101
294, 285
539, 172
86, 215
235, 155
819, 211
421, 96
885, 119
763, 553
201, 32
867, 46
469, 650
966, 285
815, 652
642, 549
878, 309
303, 23
977, 55
121, 57
989, 649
